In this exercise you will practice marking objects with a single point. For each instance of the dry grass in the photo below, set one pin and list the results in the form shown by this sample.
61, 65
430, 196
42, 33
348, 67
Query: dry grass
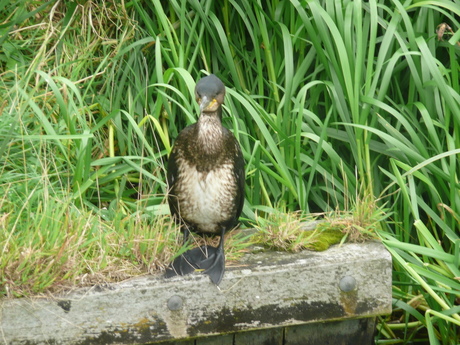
295, 231
66, 249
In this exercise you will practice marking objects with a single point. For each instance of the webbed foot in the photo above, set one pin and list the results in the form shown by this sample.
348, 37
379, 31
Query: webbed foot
207, 258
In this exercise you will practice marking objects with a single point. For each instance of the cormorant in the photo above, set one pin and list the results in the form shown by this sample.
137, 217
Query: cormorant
206, 182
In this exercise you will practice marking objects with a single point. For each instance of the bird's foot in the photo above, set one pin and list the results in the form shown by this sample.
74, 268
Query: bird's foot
207, 258
216, 267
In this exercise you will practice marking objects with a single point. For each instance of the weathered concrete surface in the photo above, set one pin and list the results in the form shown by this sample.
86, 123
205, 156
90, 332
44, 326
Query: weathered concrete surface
266, 290
345, 332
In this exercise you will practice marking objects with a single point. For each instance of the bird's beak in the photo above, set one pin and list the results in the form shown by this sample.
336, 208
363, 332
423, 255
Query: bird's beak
207, 104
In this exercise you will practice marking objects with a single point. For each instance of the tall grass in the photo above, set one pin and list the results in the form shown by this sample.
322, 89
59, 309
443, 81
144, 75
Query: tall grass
332, 101
72, 175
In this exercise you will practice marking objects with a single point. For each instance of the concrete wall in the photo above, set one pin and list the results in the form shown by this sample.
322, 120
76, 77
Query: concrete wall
264, 291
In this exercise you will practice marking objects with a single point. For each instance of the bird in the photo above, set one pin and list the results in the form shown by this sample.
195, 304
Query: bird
206, 177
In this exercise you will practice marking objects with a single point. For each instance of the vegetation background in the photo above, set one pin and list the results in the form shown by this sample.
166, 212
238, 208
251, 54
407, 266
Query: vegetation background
338, 105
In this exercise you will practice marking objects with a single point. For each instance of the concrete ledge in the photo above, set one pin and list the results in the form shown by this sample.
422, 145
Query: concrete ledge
266, 290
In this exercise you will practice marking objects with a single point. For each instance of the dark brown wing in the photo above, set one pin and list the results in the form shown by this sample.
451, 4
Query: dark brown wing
236, 155
173, 170
238, 171
172, 178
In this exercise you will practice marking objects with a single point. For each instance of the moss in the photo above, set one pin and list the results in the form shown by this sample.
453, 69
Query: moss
294, 231
325, 239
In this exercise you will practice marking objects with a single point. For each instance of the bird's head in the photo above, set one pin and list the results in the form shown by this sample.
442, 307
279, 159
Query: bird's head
209, 93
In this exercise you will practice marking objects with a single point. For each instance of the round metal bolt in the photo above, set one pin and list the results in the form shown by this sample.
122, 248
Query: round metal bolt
175, 303
347, 284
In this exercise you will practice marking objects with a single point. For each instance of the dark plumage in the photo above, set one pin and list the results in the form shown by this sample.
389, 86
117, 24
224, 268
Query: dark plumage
206, 182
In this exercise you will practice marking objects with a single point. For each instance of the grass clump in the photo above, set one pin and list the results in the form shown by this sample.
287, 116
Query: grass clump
51, 245
296, 231
284, 231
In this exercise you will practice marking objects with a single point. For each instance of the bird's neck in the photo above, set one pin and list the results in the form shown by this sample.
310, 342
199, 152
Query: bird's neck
210, 132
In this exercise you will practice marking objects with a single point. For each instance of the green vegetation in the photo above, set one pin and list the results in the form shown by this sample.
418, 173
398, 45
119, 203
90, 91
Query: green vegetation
333, 102
296, 231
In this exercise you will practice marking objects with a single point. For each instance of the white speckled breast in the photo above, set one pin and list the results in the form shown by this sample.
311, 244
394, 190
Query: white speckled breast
206, 198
